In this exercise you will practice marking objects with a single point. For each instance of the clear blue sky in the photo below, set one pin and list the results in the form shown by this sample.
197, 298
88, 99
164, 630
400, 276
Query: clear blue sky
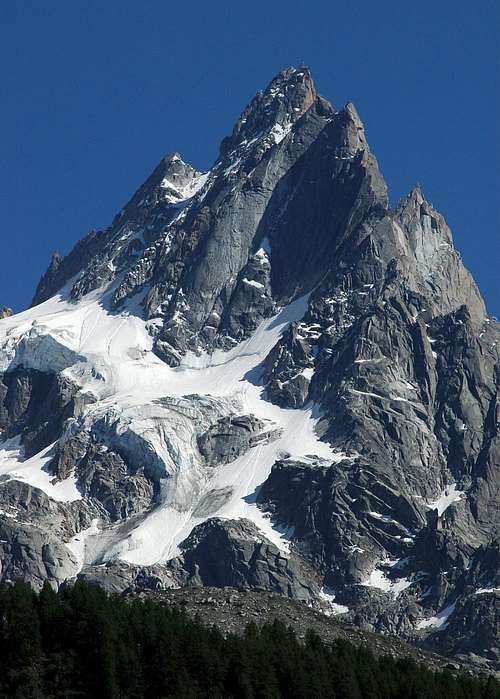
94, 92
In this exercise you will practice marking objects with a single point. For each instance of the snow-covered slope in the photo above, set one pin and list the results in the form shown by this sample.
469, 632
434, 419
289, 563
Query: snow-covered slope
114, 363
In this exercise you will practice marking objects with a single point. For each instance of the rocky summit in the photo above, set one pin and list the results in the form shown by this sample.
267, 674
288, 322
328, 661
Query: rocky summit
264, 377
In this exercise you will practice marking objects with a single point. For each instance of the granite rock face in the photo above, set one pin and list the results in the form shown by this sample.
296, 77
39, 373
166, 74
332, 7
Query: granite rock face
32, 555
35, 405
263, 376
230, 437
227, 552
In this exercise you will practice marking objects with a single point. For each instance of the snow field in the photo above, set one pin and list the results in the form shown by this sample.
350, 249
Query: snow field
110, 356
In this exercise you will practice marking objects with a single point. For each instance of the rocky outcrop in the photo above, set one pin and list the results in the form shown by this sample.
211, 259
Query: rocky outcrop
33, 532
229, 552
472, 630
34, 405
31, 554
60, 271
103, 475
230, 437
289, 367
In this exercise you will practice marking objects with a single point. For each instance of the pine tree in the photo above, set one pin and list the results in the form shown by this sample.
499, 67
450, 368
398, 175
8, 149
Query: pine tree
81, 642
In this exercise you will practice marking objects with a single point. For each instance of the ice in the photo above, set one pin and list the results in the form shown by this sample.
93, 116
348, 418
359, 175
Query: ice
265, 248
4, 513
440, 621
449, 495
77, 543
279, 132
366, 393
385, 518
328, 595
379, 579
109, 354
408, 385
394, 397
484, 590
10, 449
354, 548
228, 374
177, 194
252, 282
233, 167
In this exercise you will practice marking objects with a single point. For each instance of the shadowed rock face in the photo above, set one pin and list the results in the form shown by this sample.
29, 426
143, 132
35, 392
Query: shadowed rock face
395, 358
227, 552
230, 437
35, 405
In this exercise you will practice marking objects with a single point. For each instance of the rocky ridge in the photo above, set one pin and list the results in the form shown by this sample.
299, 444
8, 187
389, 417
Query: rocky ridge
263, 376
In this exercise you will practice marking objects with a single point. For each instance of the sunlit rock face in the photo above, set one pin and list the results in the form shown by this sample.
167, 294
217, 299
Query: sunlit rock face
263, 376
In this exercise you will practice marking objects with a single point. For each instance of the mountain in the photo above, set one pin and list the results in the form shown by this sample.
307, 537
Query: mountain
264, 377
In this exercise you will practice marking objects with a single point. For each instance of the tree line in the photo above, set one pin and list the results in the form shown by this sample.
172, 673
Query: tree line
82, 642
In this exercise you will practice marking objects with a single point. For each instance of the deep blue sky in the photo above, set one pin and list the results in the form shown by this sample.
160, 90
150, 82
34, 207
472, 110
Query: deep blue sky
94, 92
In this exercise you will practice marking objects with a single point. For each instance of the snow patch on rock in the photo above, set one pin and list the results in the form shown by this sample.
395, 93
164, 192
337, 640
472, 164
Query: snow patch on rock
449, 495
78, 542
379, 578
440, 621
33, 471
328, 595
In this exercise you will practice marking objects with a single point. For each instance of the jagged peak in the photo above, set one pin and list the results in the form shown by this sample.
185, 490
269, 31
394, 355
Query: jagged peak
55, 260
416, 194
175, 160
172, 163
180, 181
351, 113
173, 180
353, 139
285, 99
415, 201
414, 206
291, 79
172, 157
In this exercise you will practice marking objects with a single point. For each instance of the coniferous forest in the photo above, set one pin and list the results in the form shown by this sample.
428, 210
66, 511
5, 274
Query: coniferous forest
81, 642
